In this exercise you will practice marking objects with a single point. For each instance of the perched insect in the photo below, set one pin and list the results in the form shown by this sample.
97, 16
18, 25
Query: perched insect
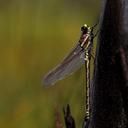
75, 59
80, 55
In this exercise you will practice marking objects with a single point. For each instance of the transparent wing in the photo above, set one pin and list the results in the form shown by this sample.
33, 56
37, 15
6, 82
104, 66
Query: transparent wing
70, 64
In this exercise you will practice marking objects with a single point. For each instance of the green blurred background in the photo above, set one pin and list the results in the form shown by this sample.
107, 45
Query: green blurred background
34, 37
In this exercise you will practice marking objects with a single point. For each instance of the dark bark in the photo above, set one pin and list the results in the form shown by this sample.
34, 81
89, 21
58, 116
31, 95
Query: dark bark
110, 80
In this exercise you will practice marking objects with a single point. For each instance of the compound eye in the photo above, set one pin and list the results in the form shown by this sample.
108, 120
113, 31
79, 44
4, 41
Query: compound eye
84, 28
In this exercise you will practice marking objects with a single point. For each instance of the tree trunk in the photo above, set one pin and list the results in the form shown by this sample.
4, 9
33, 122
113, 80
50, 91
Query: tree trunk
110, 81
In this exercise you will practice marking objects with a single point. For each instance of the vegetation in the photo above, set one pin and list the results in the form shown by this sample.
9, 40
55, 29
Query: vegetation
34, 37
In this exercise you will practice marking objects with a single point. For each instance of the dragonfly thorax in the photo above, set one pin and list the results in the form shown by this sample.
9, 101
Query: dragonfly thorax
85, 34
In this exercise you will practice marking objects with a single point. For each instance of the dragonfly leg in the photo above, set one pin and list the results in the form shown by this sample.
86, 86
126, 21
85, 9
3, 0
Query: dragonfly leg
96, 34
92, 28
92, 56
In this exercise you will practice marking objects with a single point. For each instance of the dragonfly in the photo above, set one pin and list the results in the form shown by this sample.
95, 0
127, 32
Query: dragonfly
79, 55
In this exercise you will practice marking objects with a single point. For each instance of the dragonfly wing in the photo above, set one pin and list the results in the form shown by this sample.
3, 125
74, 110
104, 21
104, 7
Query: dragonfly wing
70, 64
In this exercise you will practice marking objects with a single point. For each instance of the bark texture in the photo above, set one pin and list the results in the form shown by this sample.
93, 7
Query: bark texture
110, 80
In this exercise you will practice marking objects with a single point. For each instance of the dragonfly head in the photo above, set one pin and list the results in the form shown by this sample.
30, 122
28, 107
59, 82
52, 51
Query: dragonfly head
85, 28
